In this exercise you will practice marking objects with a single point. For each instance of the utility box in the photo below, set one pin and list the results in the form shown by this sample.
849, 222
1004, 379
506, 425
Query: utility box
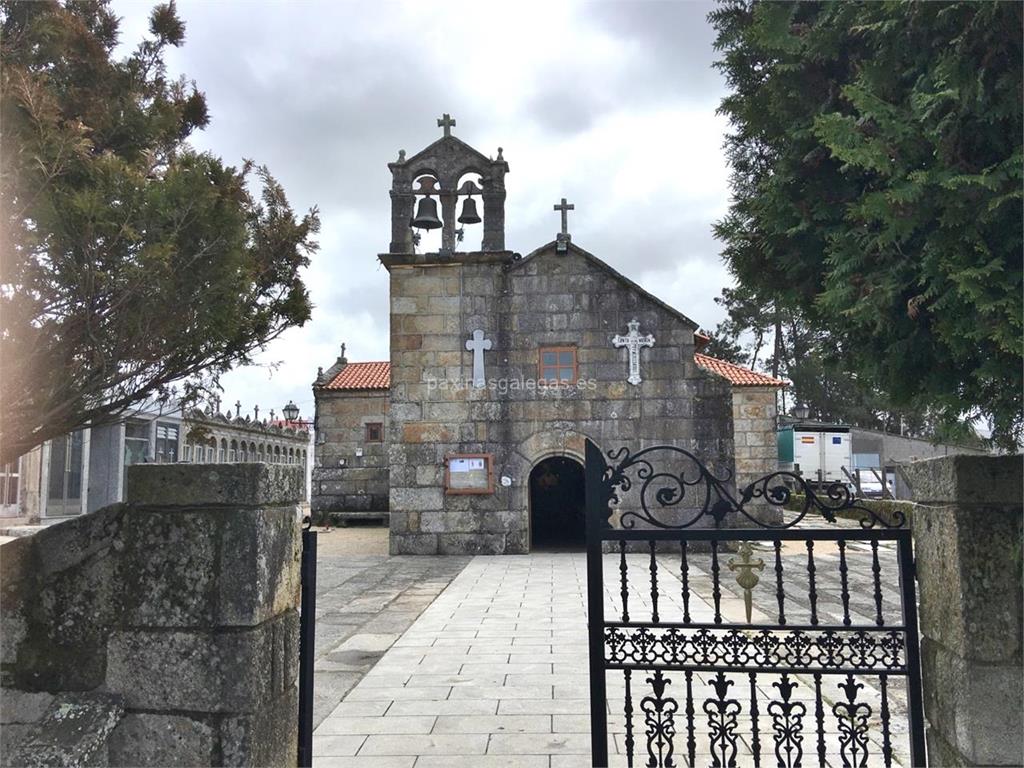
818, 453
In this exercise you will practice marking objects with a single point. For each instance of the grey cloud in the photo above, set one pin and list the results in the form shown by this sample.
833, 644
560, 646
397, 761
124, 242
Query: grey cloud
567, 105
675, 42
326, 94
637, 248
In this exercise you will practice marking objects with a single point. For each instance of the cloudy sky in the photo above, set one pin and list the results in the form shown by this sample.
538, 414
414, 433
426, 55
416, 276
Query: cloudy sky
610, 104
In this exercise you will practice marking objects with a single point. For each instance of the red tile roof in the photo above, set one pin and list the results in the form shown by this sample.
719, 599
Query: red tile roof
362, 376
377, 375
737, 375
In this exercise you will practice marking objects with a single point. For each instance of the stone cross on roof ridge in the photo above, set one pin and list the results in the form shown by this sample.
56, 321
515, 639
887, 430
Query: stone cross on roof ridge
447, 122
565, 207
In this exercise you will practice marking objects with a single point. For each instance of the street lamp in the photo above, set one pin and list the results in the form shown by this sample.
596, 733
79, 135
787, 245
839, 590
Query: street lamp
291, 411
801, 411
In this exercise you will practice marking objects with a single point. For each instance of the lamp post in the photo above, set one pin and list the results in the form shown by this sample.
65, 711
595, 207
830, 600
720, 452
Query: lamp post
801, 411
291, 411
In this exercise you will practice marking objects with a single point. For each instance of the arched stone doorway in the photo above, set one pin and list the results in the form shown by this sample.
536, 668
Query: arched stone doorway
557, 505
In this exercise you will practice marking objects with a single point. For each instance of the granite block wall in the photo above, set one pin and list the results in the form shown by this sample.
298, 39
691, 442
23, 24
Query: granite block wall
549, 299
172, 618
967, 531
345, 482
754, 413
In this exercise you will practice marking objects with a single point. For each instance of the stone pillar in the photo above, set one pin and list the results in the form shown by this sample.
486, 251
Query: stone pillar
448, 204
494, 217
967, 539
206, 655
754, 416
402, 202
493, 185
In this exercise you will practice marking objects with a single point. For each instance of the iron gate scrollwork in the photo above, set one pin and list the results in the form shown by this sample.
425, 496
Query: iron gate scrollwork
738, 637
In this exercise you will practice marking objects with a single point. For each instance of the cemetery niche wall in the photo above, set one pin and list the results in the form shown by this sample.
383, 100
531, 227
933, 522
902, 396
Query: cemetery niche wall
510, 360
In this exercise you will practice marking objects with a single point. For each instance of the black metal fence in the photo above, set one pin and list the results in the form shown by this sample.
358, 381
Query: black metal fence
726, 639
307, 634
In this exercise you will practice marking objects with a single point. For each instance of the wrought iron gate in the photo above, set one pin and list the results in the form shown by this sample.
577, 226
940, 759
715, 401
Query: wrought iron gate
734, 639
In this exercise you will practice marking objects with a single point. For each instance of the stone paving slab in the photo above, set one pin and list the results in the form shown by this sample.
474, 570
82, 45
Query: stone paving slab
364, 603
494, 672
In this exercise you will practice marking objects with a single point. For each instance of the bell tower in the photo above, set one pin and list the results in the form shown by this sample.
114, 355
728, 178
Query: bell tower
438, 173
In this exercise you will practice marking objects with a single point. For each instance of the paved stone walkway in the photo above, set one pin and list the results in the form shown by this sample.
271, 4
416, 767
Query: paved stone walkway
363, 605
494, 672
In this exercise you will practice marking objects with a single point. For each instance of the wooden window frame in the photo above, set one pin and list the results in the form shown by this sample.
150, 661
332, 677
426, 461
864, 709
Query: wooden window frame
556, 350
449, 491
380, 433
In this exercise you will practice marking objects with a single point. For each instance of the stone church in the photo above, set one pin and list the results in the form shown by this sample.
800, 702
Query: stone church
470, 439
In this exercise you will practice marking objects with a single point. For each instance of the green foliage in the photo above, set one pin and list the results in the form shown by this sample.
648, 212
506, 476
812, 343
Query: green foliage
764, 335
133, 267
876, 170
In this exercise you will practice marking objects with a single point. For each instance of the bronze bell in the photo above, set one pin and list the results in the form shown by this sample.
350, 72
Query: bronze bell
426, 215
469, 214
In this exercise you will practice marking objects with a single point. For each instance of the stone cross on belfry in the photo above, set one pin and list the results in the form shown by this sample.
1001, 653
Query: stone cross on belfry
447, 122
633, 341
477, 345
238, 408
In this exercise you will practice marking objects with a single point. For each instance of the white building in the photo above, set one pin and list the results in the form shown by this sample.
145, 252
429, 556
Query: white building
84, 471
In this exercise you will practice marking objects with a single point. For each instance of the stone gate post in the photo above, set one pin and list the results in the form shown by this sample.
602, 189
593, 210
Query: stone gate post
206, 656
967, 541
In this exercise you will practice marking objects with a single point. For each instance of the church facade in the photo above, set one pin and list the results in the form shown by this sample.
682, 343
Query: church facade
471, 437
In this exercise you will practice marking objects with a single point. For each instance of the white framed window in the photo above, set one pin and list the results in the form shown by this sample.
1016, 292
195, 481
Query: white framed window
166, 443
10, 480
136, 442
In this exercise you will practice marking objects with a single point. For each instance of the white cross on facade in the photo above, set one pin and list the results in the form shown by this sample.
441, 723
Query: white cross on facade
633, 341
477, 345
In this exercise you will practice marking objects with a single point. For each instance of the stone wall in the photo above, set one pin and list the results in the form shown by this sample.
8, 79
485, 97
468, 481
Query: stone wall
344, 482
176, 613
967, 541
897, 449
547, 299
754, 412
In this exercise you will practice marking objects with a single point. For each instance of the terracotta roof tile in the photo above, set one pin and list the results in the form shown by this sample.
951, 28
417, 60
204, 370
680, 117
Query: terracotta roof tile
737, 375
377, 375
362, 376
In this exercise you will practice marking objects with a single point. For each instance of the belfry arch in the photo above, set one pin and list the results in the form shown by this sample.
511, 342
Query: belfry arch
449, 160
